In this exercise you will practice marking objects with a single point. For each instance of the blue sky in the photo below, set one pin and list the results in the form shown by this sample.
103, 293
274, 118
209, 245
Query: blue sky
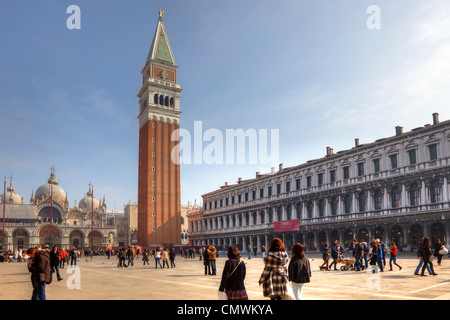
311, 69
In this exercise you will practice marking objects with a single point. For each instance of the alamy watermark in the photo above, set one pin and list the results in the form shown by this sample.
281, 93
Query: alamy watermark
234, 146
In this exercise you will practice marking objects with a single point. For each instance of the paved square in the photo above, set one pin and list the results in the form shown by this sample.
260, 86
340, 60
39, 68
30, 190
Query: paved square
100, 279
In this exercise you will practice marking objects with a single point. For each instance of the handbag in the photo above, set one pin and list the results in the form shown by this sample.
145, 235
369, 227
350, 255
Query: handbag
289, 294
443, 251
222, 295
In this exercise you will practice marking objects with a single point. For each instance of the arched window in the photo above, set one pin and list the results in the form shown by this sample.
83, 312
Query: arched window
348, 203
334, 206
414, 195
362, 202
155, 98
435, 192
161, 100
396, 196
172, 102
321, 207
166, 101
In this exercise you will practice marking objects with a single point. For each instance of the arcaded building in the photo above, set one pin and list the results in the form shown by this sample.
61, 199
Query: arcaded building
395, 189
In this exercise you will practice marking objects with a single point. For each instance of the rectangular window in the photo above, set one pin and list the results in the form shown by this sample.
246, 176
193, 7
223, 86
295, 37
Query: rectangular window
346, 173
226, 201
246, 196
393, 161
232, 200
239, 198
278, 188
412, 157
221, 203
269, 191
376, 165
360, 169
308, 182
333, 176
320, 179
215, 204
297, 184
261, 193
288, 186
433, 151
253, 194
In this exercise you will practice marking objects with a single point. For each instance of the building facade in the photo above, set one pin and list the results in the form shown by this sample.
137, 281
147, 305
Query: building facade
159, 202
394, 189
49, 219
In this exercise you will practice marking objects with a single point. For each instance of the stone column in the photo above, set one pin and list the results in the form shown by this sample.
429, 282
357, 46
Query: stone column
369, 201
445, 189
423, 194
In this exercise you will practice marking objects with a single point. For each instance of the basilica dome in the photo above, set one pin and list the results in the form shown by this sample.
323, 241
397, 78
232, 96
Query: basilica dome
86, 202
51, 188
11, 196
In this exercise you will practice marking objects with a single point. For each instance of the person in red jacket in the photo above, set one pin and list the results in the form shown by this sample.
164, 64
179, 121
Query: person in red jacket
63, 255
393, 257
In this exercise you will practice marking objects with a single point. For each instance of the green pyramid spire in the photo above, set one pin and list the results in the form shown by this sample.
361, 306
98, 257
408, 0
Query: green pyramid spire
160, 48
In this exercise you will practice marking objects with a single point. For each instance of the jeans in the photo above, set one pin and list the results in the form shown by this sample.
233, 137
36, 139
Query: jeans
263, 254
297, 288
158, 260
130, 261
420, 265
172, 263
52, 269
366, 261
38, 291
213, 266
380, 263
73, 261
358, 264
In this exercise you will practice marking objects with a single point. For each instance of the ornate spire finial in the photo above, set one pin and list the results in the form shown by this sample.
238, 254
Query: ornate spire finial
161, 13
52, 171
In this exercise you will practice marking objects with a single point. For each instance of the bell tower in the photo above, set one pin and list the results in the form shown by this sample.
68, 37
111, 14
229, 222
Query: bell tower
159, 202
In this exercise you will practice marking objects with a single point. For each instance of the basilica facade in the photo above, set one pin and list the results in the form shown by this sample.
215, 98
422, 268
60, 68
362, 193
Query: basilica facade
394, 189
48, 219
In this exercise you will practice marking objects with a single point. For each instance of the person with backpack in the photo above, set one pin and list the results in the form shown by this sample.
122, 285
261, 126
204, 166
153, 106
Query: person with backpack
73, 257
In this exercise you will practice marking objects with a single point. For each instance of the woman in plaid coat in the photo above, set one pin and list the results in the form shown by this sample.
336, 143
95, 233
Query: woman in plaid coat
274, 277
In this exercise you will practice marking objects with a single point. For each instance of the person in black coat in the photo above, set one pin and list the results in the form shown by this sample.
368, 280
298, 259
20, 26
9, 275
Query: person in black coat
299, 270
334, 254
55, 257
437, 248
233, 276
427, 257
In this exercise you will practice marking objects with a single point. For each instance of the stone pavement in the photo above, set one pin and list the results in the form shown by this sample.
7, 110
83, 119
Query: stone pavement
100, 279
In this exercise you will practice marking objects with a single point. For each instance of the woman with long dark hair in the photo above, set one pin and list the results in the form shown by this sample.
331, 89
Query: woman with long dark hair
233, 276
427, 257
274, 277
299, 270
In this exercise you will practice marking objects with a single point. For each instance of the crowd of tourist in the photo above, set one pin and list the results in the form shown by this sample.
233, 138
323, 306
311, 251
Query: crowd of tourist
281, 278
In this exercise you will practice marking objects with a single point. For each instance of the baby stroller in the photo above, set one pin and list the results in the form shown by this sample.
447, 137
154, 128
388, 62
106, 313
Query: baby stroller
348, 263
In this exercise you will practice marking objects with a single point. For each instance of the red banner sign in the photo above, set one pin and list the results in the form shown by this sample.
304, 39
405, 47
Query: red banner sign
286, 225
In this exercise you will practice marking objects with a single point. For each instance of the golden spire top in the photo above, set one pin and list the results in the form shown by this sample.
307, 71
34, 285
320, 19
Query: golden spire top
161, 13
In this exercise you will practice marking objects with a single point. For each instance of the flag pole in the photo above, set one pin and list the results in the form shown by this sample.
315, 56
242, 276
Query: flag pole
92, 220
4, 209
51, 213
